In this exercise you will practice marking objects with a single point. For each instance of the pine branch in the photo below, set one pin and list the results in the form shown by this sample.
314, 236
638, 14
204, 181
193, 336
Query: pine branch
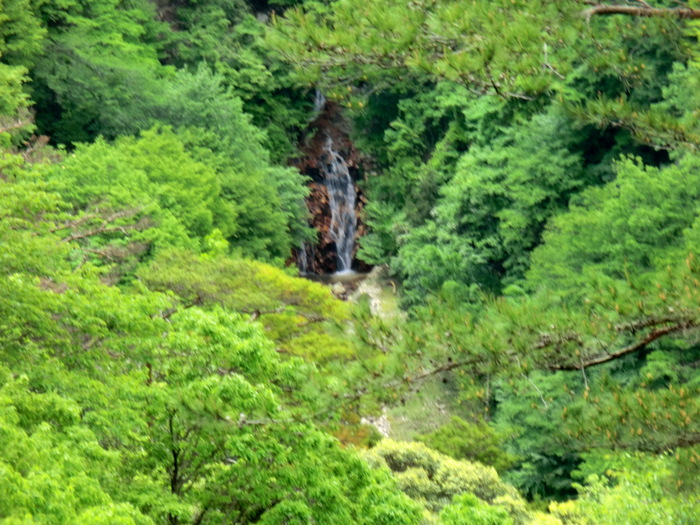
644, 10
682, 441
450, 365
630, 349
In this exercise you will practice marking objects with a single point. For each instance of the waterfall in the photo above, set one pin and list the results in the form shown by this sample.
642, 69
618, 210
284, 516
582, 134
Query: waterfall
303, 259
305, 256
319, 104
341, 197
333, 197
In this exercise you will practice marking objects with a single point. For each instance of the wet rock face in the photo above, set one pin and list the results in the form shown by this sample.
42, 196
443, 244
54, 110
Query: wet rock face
321, 256
329, 126
329, 123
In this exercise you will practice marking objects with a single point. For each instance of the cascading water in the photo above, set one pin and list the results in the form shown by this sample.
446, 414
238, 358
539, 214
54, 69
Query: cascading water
328, 159
319, 104
341, 197
303, 259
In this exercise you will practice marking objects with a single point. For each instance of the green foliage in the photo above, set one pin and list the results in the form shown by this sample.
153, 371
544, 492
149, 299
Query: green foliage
227, 38
53, 469
469, 181
298, 314
152, 369
529, 413
123, 408
511, 49
169, 193
435, 479
607, 291
461, 439
422, 145
635, 223
101, 76
153, 177
21, 33
492, 211
12, 98
212, 122
681, 97
427, 38
100, 73
21, 40
641, 492
467, 509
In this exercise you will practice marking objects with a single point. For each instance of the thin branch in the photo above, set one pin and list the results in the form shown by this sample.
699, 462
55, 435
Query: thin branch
551, 68
683, 441
644, 11
450, 365
539, 392
105, 226
72, 224
630, 349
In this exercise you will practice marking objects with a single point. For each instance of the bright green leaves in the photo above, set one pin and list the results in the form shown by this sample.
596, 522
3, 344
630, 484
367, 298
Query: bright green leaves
634, 224
125, 405
177, 413
27, 209
134, 195
99, 75
21, 33
297, 313
493, 210
434, 480
21, 40
216, 343
164, 190
13, 100
154, 175
634, 490
468, 510
188, 393
494, 47
211, 122
53, 470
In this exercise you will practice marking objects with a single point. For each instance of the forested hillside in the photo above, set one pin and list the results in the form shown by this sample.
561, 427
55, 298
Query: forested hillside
527, 179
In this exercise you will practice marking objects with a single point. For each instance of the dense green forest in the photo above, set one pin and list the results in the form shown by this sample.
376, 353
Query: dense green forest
531, 178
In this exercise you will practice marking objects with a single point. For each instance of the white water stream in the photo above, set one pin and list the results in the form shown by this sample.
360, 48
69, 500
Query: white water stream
341, 198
